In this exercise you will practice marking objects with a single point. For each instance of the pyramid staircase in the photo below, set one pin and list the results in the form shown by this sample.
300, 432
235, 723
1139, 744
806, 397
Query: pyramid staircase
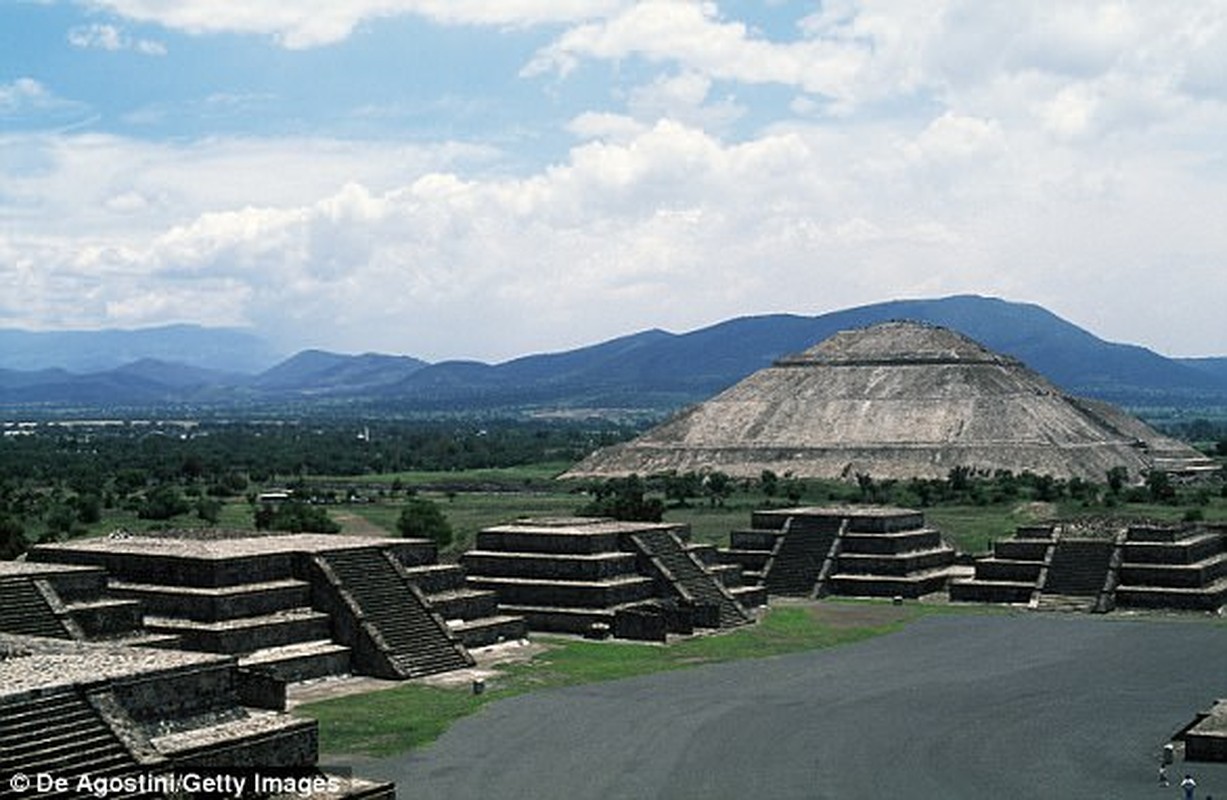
1063, 567
25, 610
72, 709
471, 614
61, 733
859, 551
1077, 577
599, 577
800, 553
687, 577
393, 617
294, 606
70, 602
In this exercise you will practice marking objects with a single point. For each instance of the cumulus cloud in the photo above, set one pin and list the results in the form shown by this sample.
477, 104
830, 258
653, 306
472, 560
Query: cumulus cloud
664, 225
1060, 153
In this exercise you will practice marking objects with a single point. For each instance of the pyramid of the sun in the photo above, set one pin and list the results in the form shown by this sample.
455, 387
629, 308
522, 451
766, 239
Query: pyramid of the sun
896, 400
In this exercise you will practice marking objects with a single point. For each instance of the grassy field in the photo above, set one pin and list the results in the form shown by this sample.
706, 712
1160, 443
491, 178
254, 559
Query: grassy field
412, 715
476, 499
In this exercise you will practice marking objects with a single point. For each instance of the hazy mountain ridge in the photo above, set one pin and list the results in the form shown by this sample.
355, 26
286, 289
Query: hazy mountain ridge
651, 369
223, 349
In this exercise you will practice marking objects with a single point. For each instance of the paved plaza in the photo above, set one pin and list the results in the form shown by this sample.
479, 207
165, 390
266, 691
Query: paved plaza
961, 706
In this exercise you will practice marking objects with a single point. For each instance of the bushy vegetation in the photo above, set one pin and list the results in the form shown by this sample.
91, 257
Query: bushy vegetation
63, 480
423, 519
66, 481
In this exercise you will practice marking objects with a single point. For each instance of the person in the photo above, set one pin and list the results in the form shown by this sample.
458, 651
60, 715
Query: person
1163, 781
1188, 784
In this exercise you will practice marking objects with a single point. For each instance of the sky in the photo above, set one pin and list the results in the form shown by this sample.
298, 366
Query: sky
491, 178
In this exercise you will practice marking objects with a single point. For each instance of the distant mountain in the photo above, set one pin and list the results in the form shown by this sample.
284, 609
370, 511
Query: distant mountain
178, 376
662, 370
1216, 367
651, 370
318, 371
224, 349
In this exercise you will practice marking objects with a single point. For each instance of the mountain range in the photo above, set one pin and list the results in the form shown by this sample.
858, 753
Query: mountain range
651, 370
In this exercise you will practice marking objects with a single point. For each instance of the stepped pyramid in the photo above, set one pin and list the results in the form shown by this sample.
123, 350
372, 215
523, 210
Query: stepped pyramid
292, 606
586, 575
897, 400
1104, 564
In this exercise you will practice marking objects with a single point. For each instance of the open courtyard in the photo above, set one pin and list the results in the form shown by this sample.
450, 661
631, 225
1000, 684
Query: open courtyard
953, 706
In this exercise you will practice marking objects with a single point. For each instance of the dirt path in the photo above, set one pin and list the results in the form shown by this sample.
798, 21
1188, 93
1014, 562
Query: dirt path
356, 525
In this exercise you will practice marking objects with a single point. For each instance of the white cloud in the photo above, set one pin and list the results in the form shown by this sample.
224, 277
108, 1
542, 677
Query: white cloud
26, 96
315, 23
108, 37
665, 225
1063, 153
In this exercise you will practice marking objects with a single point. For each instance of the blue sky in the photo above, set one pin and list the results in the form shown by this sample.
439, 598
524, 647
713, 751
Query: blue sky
488, 178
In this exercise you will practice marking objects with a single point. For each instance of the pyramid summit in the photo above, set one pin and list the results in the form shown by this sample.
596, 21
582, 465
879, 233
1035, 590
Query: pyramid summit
896, 400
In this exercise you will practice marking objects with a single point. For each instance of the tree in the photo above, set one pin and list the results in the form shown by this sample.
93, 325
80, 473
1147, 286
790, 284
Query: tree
680, 487
295, 518
423, 519
718, 486
163, 502
1159, 486
12, 538
624, 499
1117, 477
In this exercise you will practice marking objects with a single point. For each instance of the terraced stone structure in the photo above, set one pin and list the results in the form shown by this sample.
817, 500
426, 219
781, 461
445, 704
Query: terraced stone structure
70, 602
1099, 565
296, 606
859, 551
112, 712
591, 576
898, 400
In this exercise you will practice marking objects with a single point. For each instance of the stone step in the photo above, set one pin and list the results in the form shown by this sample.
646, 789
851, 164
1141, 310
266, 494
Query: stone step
214, 604
914, 585
489, 630
436, 578
106, 616
300, 661
987, 591
414, 641
248, 634
559, 619
464, 603
1066, 603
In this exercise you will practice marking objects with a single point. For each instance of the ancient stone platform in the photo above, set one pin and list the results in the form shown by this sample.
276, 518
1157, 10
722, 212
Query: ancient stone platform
113, 711
294, 606
1206, 738
582, 575
70, 602
860, 551
1100, 565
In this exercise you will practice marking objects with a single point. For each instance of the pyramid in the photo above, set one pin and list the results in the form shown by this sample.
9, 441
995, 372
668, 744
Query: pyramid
897, 400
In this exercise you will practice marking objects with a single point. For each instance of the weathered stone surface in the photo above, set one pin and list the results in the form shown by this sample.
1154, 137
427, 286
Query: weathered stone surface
896, 400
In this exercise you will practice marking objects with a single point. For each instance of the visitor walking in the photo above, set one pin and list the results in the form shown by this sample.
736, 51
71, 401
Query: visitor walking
1188, 784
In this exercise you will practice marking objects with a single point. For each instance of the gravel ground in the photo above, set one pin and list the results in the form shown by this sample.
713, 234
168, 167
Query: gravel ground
1025, 706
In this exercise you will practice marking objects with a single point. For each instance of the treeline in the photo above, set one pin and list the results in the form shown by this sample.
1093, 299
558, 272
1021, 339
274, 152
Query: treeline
56, 481
646, 498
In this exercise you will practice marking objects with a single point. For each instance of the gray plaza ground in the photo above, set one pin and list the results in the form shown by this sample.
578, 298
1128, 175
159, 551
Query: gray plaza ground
961, 706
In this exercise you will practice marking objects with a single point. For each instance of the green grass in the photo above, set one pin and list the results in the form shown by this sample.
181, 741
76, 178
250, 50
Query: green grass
509, 477
391, 721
